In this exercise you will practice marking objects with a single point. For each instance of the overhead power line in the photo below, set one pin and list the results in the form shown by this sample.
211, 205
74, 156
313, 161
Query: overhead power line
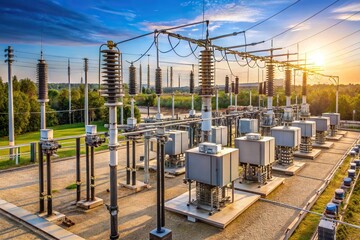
305, 20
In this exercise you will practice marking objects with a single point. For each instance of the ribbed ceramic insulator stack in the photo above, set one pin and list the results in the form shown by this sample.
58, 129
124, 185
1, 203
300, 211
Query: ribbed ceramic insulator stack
132, 80
206, 73
42, 79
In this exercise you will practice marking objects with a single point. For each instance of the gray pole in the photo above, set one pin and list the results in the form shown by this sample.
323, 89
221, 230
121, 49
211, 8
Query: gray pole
140, 77
9, 60
86, 92
69, 83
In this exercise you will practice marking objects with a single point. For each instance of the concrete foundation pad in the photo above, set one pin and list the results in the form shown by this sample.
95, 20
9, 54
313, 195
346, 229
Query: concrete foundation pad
312, 155
49, 229
152, 166
242, 201
165, 235
55, 217
139, 186
335, 138
262, 190
326, 145
90, 204
288, 169
344, 133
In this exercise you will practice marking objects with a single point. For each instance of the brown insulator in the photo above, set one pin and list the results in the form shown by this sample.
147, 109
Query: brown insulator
304, 84
192, 82
227, 84
206, 73
42, 79
132, 80
158, 81
236, 91
288, 82
270, 79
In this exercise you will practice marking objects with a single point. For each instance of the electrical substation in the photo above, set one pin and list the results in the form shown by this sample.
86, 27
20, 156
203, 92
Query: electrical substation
253, 170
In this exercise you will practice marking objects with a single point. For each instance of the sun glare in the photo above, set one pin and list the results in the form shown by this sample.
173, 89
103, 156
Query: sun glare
317, 59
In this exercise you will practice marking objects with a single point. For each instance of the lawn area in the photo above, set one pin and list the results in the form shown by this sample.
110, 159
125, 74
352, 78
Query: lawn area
352, 215
67, 149
309, 224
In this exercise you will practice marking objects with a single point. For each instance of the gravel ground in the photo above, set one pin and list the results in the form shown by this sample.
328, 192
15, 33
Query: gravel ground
137, 212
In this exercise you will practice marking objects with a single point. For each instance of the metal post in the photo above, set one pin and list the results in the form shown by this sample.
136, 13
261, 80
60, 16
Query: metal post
217, 100
69, 86
78, 171
92, 172
87, 172
9, 60
133, 163
158, 186
41, 180
146, 159
162, 184
128, 162
173, 106
122, 110
337, 97
113, 144
42, 115
250, 98
48, 183
86, 92
140, 79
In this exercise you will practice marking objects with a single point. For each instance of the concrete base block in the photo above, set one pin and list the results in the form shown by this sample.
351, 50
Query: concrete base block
335, 138
139, 186
262, 190
326, 145
312, 155
344, 133
165, 235
90, 204
55, 217
288, 169
220, 219
152, 166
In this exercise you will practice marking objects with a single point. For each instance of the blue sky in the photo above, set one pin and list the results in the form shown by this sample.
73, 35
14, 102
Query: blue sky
75, 29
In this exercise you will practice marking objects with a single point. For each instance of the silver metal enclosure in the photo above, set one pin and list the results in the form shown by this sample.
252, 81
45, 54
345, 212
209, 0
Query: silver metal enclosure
256, 152
247, 125
179, 143
213, 169
308, 128
334, 118
322, 123
46, 134
219, 135
286, 136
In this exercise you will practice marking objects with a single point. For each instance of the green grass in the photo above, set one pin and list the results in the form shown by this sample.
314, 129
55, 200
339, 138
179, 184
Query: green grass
352, 215
67, 149
71, 186
309, 224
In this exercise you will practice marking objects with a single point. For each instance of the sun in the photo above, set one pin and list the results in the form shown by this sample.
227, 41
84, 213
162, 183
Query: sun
317, 59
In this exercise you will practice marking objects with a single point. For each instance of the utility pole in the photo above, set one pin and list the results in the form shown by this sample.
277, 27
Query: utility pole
140, 77
86, 92
10, 54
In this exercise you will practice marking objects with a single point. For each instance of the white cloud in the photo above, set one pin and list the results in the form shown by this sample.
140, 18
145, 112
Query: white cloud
300, 27
345, 16
354, 7
128, 15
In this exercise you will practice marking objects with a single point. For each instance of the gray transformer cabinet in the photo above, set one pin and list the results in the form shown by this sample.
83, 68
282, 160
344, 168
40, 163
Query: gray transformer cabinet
322, 126
256, 156
287, 138
334, 122
212, 173
308, 130
247, 125
176, 148
219, 135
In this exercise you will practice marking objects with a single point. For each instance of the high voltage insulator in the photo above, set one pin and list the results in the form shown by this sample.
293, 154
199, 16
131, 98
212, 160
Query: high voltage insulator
132, 80
227, 84
112, 89
236, 91
42, 79
287, 82
265, 88
261, 88
192, 82
206, 73
270, 79
158, 81
232, 86
304, 83
171, 77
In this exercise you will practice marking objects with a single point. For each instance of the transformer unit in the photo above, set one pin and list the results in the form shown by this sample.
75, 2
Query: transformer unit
308, 130
256, 155
219, 135
46, 134
287, 138
247, 125
212, 169
176, 148
334, 122
322, 126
